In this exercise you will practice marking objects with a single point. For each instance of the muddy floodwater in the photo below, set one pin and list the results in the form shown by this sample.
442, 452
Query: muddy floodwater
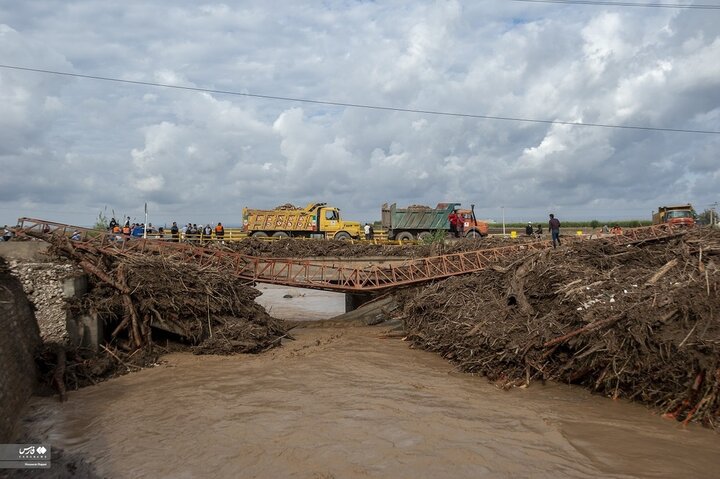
347, 403
297, 304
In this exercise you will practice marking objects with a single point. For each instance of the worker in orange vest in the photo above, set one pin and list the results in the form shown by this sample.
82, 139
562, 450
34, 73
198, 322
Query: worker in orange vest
220, 232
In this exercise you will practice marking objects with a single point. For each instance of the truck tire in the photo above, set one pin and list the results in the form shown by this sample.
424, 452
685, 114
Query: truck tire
425, 236
342, 236
473, 234
259, 234
405, 236
280, 234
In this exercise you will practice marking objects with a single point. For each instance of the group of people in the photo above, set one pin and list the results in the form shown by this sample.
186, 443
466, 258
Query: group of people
369, 231
553, 227
537, 232
127, 230
190, 232
193, 233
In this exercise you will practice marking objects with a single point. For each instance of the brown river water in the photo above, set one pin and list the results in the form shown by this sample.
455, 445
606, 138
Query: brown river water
350, 403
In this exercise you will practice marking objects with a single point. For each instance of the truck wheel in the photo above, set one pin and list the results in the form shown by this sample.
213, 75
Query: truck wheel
405, 236
473, 234
425, 236
259, 234
280, 234
342, 236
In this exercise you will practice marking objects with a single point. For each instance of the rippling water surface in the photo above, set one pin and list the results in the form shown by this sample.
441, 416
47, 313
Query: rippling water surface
345, 403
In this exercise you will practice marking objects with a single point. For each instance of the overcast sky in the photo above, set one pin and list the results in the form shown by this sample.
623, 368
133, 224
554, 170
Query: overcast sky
73, 147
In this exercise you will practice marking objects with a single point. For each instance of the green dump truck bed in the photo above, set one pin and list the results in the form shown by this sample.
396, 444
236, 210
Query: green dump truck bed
417, 218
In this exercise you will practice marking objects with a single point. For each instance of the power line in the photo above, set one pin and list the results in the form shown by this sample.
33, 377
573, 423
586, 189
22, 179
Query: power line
688, 6
360, 105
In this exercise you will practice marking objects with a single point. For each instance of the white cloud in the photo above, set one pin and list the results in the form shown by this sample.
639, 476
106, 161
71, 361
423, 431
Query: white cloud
85, 144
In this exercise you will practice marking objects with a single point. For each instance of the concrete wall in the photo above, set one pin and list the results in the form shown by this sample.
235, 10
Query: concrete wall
19, 338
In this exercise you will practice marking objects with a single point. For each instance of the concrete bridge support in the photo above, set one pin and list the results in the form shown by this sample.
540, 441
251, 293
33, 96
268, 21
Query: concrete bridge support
85, 330
354, 300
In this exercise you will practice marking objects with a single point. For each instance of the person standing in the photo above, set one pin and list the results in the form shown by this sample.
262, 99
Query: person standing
554, 227
175, 232
367, 231
220, 233
452, 217
529, 229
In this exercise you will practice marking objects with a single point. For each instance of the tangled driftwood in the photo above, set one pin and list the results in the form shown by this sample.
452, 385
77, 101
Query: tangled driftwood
210, 310
639, 322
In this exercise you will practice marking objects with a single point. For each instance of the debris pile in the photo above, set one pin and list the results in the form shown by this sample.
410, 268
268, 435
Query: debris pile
639, 321
288, 207
212, 311
215, 311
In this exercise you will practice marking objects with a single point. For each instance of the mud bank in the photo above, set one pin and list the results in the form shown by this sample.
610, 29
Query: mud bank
19, 338
351, 403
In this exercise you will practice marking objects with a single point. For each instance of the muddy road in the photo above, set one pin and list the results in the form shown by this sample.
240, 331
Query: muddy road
346, 403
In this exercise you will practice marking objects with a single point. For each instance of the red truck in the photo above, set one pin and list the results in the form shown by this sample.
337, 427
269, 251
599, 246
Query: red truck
680, 215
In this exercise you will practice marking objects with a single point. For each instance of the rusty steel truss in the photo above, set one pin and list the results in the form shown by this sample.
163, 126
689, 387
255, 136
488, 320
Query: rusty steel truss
315, 274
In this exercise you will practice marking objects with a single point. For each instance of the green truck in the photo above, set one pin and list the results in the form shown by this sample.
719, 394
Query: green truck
420, 222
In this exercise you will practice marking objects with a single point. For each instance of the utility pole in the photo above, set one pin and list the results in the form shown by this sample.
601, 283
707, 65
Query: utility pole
503, 219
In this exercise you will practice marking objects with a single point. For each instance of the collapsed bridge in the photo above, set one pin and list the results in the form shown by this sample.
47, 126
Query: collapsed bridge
374, 277
632, 316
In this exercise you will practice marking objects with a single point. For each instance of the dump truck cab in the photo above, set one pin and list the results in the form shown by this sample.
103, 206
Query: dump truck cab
472, 228
333, 226
680, 215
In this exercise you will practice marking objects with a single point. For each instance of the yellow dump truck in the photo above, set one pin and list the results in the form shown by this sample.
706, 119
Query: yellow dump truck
316, 220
